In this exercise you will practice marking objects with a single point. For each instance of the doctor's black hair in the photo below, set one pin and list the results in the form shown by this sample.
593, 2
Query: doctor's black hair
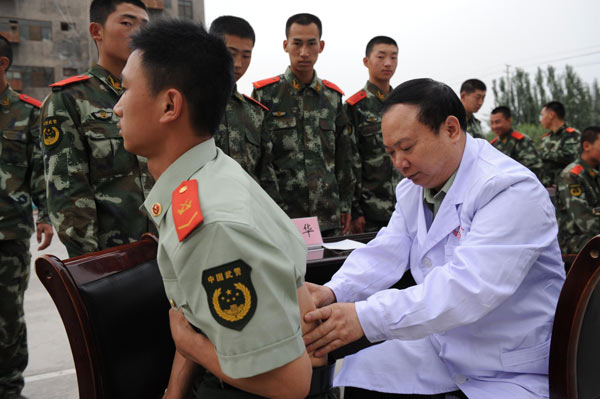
436, 101
181, 54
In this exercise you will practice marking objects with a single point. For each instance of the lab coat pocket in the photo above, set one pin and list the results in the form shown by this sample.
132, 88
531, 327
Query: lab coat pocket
533, 359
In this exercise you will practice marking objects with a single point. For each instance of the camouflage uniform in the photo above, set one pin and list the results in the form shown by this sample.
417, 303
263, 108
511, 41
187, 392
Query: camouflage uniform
312, 147
376, 177
94, 186
474, 128
241, 136
520, 148
579, 210
558, 149
21, 181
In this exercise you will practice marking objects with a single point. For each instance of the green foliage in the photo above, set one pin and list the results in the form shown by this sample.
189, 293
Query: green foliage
526, 97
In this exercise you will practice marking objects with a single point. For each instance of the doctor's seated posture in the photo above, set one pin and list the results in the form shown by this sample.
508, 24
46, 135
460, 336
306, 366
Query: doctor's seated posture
478, 232
232, 262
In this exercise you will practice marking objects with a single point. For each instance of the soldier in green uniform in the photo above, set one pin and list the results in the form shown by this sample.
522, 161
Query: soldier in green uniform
311, 135
94, 186
559, 146
512, 143
21, 182
579, 195
472, 94
376, 177
232, 262
241, 134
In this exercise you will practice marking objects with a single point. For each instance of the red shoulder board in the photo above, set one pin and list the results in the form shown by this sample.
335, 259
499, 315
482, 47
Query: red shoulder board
546, 134
72, 79
517, 135
356, 97
494, 140
265, 82
30, 100
185, 206
333, 86
570, 130
256, 102
576, 170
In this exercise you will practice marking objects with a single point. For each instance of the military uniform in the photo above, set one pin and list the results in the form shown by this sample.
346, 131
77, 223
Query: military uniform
21, 181
474, 128
579, 209
558, 149
232, 261
520, 148
312, 147
376, 177
94, 185
241, 136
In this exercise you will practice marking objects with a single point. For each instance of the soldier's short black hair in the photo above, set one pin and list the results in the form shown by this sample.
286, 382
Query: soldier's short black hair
303, 19
101, 9
502, 110
470, 85
199, 66
557, 108
6, 50
590, 135
436, 100
379, 40
230, 25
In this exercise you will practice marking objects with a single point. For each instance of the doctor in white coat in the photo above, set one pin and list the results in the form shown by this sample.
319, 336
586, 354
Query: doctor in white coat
478, 232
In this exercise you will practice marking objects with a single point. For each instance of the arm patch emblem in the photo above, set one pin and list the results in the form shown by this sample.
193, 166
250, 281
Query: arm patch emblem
575, 190
51, 133
230, 293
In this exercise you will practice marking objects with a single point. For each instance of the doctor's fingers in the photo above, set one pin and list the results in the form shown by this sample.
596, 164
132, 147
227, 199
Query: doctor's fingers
320, 295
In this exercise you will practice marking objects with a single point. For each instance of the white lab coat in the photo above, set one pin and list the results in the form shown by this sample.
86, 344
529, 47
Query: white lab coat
488, 273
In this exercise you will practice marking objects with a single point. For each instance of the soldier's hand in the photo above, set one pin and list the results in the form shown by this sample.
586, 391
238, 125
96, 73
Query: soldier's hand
45, 230
320, 294
182, 332
340, 327
345, 221
358, 225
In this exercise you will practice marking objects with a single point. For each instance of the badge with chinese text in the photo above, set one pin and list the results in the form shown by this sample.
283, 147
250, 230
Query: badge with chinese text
230, 293
51, 133
575, 190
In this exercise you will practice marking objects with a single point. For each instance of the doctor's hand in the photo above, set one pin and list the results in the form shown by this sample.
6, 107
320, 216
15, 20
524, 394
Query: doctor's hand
340, 327
321, 295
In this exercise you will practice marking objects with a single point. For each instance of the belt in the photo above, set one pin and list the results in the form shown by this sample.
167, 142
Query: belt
322, 379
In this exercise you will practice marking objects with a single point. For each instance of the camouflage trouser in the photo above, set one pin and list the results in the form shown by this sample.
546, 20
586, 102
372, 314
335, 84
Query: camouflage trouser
14, 275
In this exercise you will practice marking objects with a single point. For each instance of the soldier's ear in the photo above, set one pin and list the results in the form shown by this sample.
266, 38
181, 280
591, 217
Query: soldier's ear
321, 46
285, 46
4, 63
172, 105
96, 31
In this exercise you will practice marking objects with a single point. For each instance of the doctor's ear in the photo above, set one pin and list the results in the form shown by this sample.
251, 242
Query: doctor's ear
452, 127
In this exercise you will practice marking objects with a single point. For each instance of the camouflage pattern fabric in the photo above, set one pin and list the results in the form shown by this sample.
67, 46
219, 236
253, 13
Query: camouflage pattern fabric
94, 186
14, 275
558, 149
376, 177
521, 148
474, 128
242, 136
312, 148
579, 206
21, 182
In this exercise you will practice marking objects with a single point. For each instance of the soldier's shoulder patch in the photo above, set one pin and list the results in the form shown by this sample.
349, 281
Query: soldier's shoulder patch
570, 130
546, 134
30, 100
231, 296
256, 102
68, 81
517, 135
332, 86
357, 97
576, 170
575, 190
51, 131
266, 82
185, 206
102, 115
495, 139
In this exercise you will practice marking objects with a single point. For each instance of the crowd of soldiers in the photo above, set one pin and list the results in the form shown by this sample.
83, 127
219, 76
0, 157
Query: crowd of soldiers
313, 154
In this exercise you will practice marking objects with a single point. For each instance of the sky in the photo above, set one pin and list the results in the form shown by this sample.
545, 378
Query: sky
447, 40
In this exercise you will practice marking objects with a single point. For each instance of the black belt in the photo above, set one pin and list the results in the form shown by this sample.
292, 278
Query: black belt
322, 379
